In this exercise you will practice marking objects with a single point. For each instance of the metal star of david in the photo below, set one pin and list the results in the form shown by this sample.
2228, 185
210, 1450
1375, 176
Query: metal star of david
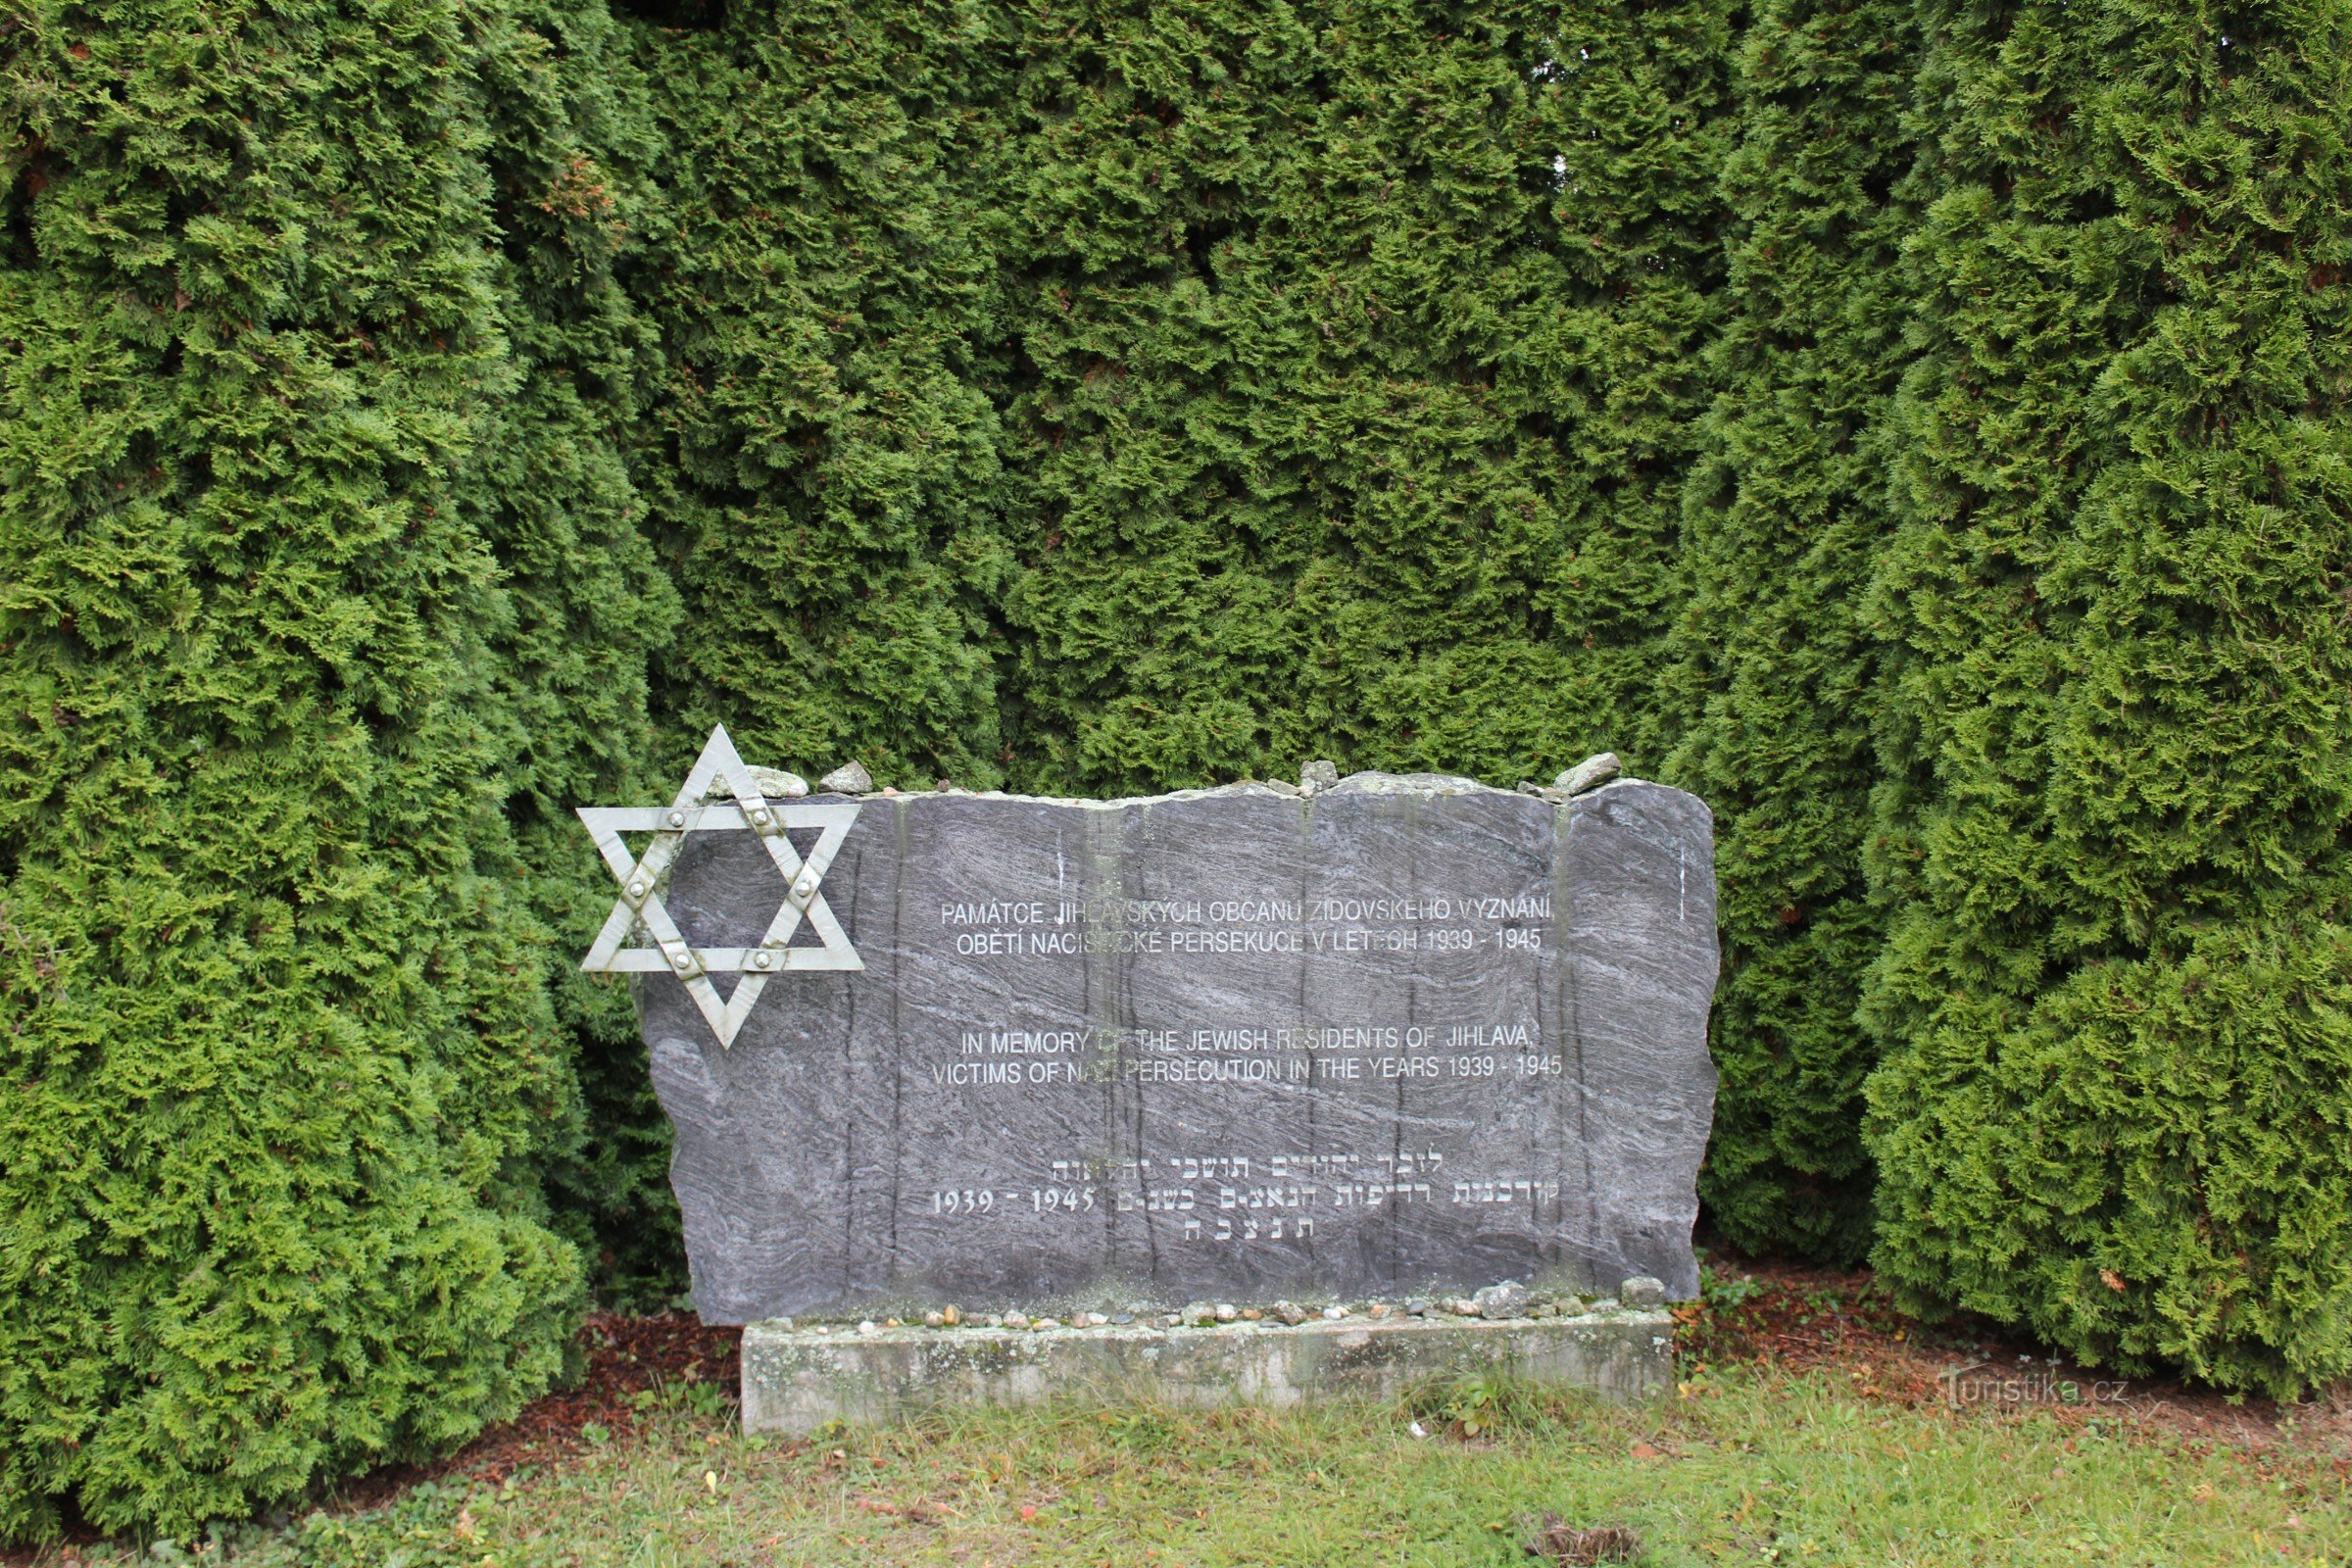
719, 793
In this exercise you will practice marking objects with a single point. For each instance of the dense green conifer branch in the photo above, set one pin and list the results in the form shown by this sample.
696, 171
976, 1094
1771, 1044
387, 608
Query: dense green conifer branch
313, 552
1777, 677
1362, 349
826, 473
2110, 832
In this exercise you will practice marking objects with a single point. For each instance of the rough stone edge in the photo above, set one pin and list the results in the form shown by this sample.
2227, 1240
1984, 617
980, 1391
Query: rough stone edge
1365, 783
889, 1375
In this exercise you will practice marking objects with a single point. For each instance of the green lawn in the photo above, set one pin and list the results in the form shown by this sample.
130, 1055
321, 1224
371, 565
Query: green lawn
1745, 1467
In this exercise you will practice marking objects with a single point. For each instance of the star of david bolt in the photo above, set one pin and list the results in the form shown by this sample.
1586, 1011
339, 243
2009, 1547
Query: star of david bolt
719, 793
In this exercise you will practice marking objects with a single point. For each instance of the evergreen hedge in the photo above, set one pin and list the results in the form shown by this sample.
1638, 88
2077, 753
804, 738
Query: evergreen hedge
1115, 398
2117, 752
312, 541
825, 471
1356, 355
1776, 680
571, 145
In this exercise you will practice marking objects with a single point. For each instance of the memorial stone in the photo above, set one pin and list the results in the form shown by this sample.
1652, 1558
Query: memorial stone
1402, 1036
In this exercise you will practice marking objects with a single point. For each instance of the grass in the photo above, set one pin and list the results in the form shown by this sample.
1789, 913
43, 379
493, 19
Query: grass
1745, 1466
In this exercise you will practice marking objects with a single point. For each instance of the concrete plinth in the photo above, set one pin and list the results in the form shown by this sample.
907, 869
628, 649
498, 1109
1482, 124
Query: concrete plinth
796, 1379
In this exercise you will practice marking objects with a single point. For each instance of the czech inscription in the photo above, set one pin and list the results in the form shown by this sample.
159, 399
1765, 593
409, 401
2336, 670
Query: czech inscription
1407, 1034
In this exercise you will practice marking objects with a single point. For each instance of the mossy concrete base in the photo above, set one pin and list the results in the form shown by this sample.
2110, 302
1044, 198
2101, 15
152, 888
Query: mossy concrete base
796, 1379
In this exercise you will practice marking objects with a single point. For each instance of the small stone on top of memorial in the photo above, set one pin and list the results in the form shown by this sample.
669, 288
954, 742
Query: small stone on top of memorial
1335, 1314
1227, 1312
1199, 1314
1418, 1306
1642, 1290
777, 785
1590, 774
935, 1320
1318, 775
1122, 1319
851, 778
1290, 1312
1016, 1320
1250, 1314
1506, 1300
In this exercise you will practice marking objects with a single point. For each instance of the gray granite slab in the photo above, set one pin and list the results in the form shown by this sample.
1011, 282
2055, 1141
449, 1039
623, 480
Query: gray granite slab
1407, 1034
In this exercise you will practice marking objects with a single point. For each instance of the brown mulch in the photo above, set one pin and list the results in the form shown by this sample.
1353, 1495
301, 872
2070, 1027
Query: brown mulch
628, 1357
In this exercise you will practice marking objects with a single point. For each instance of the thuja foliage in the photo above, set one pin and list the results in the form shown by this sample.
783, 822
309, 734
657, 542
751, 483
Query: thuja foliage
2117, 986
827, 473
1777, 667
568, 140
1355, 365
315, 555
1119, 397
